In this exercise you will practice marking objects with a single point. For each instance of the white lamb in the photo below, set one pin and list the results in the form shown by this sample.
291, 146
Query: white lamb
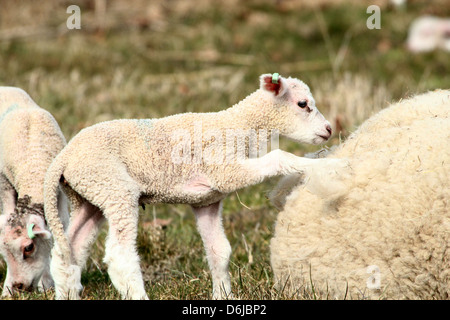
382, 232
109, 169
29, 140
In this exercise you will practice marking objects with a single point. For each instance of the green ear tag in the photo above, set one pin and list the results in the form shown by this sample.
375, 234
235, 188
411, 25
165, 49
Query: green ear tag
31, 234
275, 77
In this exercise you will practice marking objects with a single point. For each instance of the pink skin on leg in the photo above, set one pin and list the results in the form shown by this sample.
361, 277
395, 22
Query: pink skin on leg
217, 247
83, 230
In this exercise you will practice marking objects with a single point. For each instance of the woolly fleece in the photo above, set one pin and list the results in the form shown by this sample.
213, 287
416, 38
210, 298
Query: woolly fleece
384, 233
30, 138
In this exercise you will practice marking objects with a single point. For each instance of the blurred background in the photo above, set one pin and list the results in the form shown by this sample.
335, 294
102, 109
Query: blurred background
147, 59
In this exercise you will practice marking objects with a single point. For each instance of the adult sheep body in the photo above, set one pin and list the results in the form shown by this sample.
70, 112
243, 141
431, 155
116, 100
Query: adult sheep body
383, 231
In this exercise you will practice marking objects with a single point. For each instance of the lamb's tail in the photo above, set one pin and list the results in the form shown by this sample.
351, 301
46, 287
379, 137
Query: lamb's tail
66, 275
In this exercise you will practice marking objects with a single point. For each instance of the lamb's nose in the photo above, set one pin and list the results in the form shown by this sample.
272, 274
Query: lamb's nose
328, 127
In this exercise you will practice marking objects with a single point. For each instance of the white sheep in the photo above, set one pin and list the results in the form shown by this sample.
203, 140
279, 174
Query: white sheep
29, 140
111, 168
383, 230
429, 33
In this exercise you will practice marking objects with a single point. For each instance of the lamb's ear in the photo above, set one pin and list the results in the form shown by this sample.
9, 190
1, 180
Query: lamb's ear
274, 83
36, 228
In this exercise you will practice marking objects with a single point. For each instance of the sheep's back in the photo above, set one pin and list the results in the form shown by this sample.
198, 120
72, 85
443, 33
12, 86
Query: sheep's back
30, 138
392, 218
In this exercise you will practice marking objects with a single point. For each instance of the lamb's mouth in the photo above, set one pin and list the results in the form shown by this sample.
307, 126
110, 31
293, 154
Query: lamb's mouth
319, 139
324, 137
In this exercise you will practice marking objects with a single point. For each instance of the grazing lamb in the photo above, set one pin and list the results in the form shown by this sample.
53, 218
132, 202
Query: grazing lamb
29, 140
384, 231
111, 168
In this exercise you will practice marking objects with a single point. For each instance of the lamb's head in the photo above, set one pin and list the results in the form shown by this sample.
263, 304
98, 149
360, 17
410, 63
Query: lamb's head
25, 244
295, 114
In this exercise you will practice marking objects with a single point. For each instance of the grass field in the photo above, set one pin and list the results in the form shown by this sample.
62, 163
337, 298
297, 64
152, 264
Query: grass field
151, 59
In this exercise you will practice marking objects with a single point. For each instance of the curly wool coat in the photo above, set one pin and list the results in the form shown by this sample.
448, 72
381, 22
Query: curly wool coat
383, 231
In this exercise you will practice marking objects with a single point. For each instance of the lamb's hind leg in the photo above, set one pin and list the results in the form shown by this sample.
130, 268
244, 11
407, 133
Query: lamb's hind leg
83, 230
121, 253
116, 194
217, 247
85, 221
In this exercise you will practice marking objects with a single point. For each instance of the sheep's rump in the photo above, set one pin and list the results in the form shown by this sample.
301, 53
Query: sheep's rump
384, 233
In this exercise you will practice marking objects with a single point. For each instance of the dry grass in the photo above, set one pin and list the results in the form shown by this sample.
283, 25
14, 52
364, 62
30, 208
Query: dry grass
350, 100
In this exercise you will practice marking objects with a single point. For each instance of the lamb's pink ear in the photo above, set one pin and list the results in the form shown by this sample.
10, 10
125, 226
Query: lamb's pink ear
273, 83
36, 228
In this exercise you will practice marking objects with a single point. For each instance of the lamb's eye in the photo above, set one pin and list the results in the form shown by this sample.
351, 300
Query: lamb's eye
28, 250
302, 104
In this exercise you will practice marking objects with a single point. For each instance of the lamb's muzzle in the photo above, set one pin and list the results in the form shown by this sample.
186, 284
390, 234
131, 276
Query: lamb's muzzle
327, 135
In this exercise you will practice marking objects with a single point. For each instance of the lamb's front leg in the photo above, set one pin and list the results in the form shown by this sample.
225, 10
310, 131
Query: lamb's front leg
217, 247
281, 163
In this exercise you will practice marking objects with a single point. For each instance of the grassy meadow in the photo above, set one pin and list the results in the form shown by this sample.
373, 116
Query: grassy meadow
148, 59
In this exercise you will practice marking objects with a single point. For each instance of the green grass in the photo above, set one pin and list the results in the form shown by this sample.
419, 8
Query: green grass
201, 59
